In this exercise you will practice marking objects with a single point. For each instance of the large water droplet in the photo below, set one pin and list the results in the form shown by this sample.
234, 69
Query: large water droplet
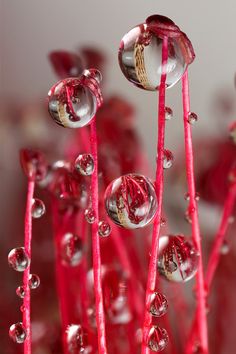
17, 332
38, 208
34, 281
104, 229
157, 339
130, 201
18, 259
20, 291
140, 54
178, 259
71, 103
71, 249
84, 164
168, 159
158, 304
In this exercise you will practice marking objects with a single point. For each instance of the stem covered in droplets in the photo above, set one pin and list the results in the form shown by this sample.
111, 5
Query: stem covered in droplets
28, 241
193, 212
100, 316
159, 182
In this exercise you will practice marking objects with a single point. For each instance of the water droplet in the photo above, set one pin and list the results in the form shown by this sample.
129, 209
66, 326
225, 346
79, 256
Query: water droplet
84, 164
89, 215
17, 332
18, 259
192, 118
224, 248
38, 208
34, 281
20, 291
167, 159
231, 219
140, 54
22, 308
187, 196
75, 339
104, 229
163, 222
33, 164
232, 132
197, 197
61, 106
157, 339
130, 201
188, 216
168, 113
71, 249
178, 259
158, 304
94, 74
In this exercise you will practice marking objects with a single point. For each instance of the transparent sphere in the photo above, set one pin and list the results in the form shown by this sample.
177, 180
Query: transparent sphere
104, 229
157, 339
17, 332
158, 305
140, 57
71, 249
34, 281
89, 215
71, 104
130, 201
75, 339
38, 208
84, 164
178, 258
20, 291
18, 259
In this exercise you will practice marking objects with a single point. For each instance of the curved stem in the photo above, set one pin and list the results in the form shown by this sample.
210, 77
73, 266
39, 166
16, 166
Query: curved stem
152, 272
100, 317
28, 241
220, 236
193, 209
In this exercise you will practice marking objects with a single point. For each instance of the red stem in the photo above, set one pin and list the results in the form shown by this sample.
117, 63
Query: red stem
220, 236
28, 241
159, 183
100, 317
193, 209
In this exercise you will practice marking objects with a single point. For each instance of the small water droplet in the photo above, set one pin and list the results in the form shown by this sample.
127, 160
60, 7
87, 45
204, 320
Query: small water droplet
197, 197
84, 164
17, 332
224, 248
22, 308
192, 118
187, 196
167, 159
71, 249
20, 291
34, 281
38, 208
158, 304
163, 222
75, 338
231, 219
89, 215
93, 74
168, 113
232, 132
157, 339
18, 259
188, 216
104, 229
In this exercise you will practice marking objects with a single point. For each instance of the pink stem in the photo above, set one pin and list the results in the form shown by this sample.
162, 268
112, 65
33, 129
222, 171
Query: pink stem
100, 317
28, 241
215, 254
220, 236
193, 208
159, 183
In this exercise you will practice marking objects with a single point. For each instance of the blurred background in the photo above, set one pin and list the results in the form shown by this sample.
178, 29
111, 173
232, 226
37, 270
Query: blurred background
29, 30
